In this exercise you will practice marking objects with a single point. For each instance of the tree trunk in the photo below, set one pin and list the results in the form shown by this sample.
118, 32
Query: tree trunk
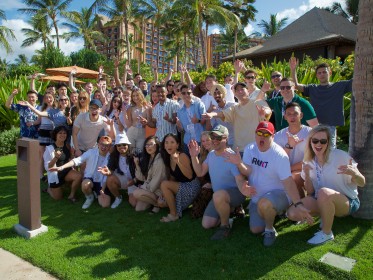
126, 32
204, 61
185, 48
158, 47
235, 44
57, 36
361, 121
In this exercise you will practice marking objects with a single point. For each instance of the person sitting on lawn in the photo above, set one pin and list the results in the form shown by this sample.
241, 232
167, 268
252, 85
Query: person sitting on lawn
120, 171
331, 179
271, 186
55, 155
151, 170
183, 186
225, 177
93, 180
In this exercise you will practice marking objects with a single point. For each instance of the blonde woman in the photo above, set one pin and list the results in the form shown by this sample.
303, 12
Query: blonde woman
331, 178
136, 130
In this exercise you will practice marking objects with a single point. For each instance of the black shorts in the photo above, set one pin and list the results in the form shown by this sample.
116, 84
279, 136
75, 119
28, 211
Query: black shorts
61, 178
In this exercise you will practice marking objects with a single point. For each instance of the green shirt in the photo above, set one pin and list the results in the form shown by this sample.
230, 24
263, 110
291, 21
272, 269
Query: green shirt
278, 105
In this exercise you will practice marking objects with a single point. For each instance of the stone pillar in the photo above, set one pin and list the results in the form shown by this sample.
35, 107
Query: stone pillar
28, 189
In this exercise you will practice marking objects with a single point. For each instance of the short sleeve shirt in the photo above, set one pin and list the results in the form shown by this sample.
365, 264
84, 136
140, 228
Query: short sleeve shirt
25, 116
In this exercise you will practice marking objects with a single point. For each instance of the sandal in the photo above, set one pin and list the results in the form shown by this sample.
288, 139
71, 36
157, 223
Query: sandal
73, 199
169, 218
154, 210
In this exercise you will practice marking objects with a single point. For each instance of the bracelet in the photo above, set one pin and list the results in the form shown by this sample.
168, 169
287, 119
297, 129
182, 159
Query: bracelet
298, 203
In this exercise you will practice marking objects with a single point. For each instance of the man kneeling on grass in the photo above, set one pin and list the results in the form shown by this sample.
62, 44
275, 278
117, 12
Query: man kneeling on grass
94, 183
272, 187
224, 180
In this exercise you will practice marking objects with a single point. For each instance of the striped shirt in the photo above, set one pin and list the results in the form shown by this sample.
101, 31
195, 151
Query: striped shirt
164, 127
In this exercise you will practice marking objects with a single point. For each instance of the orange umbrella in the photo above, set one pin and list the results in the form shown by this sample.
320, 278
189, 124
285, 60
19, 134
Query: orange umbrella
59, 79
80, 72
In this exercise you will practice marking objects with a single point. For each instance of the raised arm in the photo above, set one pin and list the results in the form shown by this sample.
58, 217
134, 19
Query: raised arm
293, 62
71, 80
32, 81
238, 67
116, 73
32, 108
169, 75
200, 169
9, 101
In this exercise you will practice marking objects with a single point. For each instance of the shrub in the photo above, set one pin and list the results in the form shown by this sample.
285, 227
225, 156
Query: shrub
8, 141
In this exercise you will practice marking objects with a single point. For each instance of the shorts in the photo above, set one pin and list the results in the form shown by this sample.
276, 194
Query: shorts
354, 205
123, 182
61, 178
97, 187
279, 201
236, 199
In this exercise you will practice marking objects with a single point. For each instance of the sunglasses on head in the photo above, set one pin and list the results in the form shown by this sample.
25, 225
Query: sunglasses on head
316, 141
250, 77
216, 137
276, 76
264, 134
285, 87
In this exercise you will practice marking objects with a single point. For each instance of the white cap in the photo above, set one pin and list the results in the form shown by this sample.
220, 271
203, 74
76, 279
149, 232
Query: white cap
122, 139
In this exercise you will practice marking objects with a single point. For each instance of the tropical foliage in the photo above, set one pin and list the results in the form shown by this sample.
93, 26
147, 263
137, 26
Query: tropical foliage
272, 27
5, 34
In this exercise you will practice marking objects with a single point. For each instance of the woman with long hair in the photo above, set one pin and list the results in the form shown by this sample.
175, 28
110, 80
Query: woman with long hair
135, 129
331, 178
183, 185
153, 101
57, 155
151, 170
114, 111
120, 171
82, 105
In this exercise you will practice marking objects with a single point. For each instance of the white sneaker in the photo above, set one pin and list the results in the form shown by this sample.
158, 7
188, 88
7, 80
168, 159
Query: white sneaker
320, 238
88, 202
117, 201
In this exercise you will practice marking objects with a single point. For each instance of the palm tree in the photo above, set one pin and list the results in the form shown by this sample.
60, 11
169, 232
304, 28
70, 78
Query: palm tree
21, 60
246, 12
5, 34
49, 8
361, 122
273, 26
83, 25
226, 43
40, 31
351, 12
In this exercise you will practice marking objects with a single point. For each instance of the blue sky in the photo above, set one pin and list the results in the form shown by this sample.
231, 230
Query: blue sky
16, 20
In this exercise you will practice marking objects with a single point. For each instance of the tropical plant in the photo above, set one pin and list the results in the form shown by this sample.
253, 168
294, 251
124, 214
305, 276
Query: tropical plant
49, 8
351, 12
40, 31
5, 34
226, 42
87, 59
49, 57
21, 59
245, 10
361, 144
83, 24
272, 26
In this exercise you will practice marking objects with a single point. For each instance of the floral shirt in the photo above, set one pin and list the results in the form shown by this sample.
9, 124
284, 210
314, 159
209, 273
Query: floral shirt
25, 116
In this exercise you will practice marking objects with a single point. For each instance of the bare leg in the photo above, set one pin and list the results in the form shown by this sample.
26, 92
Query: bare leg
75, 178
267, 212
221, 201
169, 190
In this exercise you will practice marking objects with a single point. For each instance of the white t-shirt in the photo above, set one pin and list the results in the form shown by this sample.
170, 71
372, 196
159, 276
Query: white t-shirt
229, 97
296, 155
208, 100
326, 176
269, 168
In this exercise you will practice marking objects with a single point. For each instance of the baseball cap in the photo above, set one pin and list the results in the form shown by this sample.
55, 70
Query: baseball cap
220, 130
122, 139
267, 126
240, 84
96, 102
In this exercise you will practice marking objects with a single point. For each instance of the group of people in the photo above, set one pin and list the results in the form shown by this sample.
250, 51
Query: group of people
166, 143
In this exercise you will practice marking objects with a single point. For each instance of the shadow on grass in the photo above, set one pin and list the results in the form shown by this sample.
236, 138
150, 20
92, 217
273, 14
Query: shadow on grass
121, 243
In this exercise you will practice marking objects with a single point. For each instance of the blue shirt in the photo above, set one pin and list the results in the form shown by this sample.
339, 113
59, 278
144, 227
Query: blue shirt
57, 117
25, 116
185, 115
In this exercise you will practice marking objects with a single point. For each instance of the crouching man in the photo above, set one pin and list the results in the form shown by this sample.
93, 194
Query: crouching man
94, 183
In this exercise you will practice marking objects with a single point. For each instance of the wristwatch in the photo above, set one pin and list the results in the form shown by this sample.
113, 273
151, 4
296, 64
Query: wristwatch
287, 146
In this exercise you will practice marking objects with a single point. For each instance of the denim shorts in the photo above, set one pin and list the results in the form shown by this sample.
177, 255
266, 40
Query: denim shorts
354, 205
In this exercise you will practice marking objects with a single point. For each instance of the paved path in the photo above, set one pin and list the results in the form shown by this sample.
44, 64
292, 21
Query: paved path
15, 268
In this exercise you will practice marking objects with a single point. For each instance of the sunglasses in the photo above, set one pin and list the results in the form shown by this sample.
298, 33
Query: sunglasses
82, 98
250, 77
171, 85
316, 141
186, 92
275, 76
285, 87
264, 134
149, 145
121, 145
216, 137
63, 99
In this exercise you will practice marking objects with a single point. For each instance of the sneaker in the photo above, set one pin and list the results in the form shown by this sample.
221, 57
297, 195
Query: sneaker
320, 238
117, 201
221, 233
269, 237
88, 202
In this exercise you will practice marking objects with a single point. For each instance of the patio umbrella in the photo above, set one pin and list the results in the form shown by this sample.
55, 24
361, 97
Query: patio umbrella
59, 79
80, 72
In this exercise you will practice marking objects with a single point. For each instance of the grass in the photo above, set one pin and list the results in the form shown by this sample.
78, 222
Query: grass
122, 244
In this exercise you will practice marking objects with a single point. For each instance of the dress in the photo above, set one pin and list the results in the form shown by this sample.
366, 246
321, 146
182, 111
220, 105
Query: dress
188, 189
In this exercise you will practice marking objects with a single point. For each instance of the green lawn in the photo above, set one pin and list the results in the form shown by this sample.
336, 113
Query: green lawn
122, 244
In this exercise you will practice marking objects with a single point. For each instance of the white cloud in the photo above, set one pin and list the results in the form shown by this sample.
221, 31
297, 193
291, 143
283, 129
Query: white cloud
16, 25
7, 5
249, 29
215, 31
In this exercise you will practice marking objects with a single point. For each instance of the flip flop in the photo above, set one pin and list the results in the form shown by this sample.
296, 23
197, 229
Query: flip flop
169, 218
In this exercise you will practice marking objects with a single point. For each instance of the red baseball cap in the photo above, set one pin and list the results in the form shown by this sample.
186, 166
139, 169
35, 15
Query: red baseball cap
267, 126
